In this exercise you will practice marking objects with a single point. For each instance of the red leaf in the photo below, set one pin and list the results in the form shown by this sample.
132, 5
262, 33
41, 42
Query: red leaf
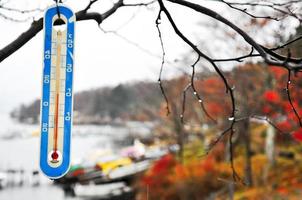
284, 126
278, 72
266, 109
287, 107
297, 135
163, 164
271, 96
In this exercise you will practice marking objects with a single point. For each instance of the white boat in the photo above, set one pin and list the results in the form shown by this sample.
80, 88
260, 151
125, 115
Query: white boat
3, 180
103, 191
129, 170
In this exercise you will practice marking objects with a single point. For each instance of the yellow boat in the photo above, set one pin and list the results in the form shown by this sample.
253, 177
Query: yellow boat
108, 163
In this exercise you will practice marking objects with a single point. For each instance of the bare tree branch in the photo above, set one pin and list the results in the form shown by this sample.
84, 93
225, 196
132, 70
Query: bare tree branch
271, 50
248, 13
21, 11
281, 8
89, 5
229, 89
287, 43
200, 101
235, 175
141, 4
157, 22
37, 26
6, 17
195, 93
133, 43
238, 59
184, 94
290, 99
265, 118
269, 56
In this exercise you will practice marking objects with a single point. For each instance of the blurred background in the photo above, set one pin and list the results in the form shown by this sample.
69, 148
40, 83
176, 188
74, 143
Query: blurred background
124, 143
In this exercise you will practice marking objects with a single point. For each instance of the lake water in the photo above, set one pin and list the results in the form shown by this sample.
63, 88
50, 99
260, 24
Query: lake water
19, 150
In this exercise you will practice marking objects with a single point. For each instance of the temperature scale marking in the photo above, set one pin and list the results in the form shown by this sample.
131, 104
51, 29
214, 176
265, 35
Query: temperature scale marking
56, 103
55, 154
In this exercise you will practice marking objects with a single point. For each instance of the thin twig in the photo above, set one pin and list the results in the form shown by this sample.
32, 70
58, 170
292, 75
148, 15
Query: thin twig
141, 4
236, 177
290, 99
21, 11
229, 89
157, 22
184, 102
238, 59
200, 101
244, 10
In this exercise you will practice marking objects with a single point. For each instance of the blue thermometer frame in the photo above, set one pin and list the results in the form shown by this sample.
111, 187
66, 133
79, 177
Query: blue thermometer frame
57, 169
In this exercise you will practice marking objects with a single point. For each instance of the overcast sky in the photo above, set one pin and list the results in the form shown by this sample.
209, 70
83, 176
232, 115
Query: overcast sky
100, 59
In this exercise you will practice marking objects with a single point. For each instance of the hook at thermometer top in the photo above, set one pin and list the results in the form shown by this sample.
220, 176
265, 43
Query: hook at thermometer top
57, 98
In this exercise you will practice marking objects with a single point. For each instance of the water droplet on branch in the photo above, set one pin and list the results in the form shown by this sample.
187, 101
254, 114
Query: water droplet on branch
231, 118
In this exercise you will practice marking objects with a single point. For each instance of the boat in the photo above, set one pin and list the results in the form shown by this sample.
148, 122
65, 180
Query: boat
3, 180
109, 191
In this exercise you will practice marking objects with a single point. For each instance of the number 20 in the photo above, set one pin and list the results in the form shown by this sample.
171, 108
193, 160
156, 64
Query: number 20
68, 93
69, 68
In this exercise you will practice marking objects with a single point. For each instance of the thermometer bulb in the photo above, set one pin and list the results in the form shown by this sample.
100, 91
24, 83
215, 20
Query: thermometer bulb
54, 156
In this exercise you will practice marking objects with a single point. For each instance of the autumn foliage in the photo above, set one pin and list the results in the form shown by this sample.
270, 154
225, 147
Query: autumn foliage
277, 105
271, 96
169, 179
259, 90
197, 179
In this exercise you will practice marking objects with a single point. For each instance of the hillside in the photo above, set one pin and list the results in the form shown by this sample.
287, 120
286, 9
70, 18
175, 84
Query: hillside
135, 101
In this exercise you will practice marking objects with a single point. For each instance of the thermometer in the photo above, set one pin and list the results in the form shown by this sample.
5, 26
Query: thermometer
57, 91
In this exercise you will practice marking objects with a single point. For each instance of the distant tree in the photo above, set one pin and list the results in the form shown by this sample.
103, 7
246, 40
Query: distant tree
136, 101
27, 113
